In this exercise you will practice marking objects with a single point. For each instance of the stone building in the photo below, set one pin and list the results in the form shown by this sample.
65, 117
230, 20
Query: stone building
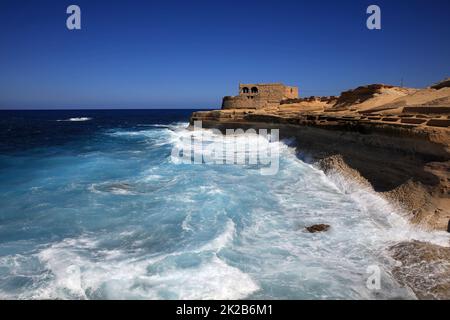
259, 95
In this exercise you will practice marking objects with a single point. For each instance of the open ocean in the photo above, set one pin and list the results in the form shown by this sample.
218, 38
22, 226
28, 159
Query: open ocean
93, 207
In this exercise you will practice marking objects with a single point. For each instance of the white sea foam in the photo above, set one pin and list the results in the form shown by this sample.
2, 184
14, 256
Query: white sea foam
157, 137
141, 133
214, 232
117, 188
223, 240
391, 219
185, 225
78, 119
331, 264
78, 273
211, 147
153, 125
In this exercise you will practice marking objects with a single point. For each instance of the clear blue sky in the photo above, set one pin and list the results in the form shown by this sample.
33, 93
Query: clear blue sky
188, 54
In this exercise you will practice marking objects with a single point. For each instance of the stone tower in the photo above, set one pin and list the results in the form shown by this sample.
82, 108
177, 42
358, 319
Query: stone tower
259, 95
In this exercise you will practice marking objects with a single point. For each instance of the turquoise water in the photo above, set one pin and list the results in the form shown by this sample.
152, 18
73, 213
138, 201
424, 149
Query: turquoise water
93, 207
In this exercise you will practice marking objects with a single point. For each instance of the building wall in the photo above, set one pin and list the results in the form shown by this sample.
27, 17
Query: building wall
290, 93
257, 96
243, 102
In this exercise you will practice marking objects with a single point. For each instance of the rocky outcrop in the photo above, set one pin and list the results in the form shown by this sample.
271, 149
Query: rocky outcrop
318, 228
328, 100
359, 95
441, 84
407, 163
424, 267
393, 140
405, 157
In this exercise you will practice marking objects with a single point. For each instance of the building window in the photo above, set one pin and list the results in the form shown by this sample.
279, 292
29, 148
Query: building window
244, 90
254, 90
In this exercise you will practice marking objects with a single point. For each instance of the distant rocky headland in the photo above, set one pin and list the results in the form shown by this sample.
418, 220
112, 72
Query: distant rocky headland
393, 139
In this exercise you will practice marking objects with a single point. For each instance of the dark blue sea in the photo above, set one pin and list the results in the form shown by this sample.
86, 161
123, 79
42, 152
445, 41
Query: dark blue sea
92, 206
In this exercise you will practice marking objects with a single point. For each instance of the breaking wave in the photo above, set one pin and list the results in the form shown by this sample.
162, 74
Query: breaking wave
135, 225
80, 119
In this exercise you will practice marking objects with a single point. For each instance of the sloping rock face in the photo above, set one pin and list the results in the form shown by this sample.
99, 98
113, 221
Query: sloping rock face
359, 95
425, 98
423, 267
441, 84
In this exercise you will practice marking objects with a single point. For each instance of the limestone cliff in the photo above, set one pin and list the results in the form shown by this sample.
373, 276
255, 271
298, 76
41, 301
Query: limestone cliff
395, 138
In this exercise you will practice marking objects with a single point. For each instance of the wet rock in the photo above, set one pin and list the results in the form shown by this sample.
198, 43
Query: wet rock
318, 228
424, 267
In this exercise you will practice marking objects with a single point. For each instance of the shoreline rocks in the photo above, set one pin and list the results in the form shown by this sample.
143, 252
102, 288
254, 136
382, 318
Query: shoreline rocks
409, 166
424, 267
318, 228
393, 140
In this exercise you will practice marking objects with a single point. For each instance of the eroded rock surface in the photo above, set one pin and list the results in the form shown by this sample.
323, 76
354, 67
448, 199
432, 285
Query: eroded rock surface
318, 228
396, 139
424, 267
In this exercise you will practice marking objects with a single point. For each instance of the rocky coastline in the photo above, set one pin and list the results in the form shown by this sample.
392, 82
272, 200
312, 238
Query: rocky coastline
391, 139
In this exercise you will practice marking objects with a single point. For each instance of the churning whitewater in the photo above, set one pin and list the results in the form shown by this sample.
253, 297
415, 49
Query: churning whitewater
107, 214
